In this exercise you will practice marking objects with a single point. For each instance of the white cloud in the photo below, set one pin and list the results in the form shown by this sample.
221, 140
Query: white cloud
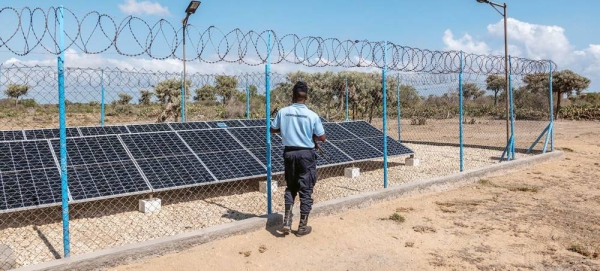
536, 42
466, 44
134, 7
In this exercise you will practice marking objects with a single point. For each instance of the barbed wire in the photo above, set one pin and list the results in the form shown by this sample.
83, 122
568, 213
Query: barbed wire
95, 33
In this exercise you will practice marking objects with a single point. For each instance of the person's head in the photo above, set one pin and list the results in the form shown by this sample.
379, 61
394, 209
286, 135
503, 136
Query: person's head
299, 92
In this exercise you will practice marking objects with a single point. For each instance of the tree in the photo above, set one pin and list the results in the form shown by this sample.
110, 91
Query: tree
145, 96
205, 94
253, 90
124, 98
495, 83
563, 82
15, 91
226, 87
471, 91
168, 93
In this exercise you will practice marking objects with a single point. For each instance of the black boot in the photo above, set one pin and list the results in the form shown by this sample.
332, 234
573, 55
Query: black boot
303, 229
287, 219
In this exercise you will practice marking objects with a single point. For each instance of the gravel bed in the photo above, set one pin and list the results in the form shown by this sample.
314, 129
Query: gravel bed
105, 224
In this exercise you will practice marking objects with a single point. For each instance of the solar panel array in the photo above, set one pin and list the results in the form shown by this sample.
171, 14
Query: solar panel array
113, 161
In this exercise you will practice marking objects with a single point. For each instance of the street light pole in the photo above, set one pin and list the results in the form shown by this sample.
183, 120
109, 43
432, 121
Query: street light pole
506, 90
191, 9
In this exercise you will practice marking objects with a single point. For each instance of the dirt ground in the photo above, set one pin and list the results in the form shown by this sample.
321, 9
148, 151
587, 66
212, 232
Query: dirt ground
546, 217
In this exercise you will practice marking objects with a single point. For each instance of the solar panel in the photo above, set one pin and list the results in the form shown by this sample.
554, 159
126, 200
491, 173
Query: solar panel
11, 135
229, 123
323, 120
333, 155
189, 125
394, 147
175, 171
153, 145
255, 137
105, 180
100, 163
205, 141
29, 188
25, 155
50, 133
103, 130
336, 132
357, 149
361, 129
277, 165
147, 128
232, 164
92, 150
254, 123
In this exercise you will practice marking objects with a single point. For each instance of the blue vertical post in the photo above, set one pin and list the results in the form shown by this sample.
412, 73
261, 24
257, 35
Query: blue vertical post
63, 133
511, 153
182, 99
347, 119
102, 99
247, 98
551, 129
384, 84
268, 121
460, 112
398, 106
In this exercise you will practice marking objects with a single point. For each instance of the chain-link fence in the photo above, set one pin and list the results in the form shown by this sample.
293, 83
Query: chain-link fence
148, 155
423, 112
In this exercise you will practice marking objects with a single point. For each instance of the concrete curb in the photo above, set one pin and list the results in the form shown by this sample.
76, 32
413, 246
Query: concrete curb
119, 255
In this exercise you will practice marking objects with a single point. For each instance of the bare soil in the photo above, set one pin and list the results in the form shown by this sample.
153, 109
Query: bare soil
546, 217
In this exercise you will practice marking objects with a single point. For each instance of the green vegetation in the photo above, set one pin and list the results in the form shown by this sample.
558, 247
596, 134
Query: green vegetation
226, 99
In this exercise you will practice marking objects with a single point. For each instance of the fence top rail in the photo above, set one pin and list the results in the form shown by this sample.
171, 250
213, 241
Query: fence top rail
95, 33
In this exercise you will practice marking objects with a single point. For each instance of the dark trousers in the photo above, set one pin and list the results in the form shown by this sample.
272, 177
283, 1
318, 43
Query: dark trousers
300, 177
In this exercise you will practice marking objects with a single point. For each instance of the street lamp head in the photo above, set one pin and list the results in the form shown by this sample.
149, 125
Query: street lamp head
193, 6
483, 1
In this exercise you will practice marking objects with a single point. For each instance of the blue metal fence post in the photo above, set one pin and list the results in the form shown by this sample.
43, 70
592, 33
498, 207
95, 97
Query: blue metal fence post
247, 98
512, 112
551, 111
550, 128
460, 113
268, 121
102, 99
384, 89
347, 119
182, 98
63, 134
398, 106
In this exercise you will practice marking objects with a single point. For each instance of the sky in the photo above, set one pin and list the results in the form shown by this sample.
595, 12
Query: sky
563, 31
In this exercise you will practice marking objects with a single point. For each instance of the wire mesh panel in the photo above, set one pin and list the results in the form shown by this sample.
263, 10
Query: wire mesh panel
150, 154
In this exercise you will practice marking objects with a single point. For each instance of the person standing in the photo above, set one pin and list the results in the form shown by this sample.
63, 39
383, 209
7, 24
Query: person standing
299, 128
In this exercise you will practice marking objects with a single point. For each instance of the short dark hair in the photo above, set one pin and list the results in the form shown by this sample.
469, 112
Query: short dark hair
300, 87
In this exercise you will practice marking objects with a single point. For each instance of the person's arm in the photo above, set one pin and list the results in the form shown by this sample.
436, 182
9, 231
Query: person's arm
275, 124
321, 138
319, 131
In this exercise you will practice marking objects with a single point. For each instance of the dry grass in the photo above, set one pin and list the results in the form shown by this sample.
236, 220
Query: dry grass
424, 229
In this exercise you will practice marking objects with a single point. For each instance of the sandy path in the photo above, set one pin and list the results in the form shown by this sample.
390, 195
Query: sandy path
544, 217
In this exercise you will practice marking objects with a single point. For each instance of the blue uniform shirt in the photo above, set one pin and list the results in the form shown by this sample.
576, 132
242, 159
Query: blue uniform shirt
298, 124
